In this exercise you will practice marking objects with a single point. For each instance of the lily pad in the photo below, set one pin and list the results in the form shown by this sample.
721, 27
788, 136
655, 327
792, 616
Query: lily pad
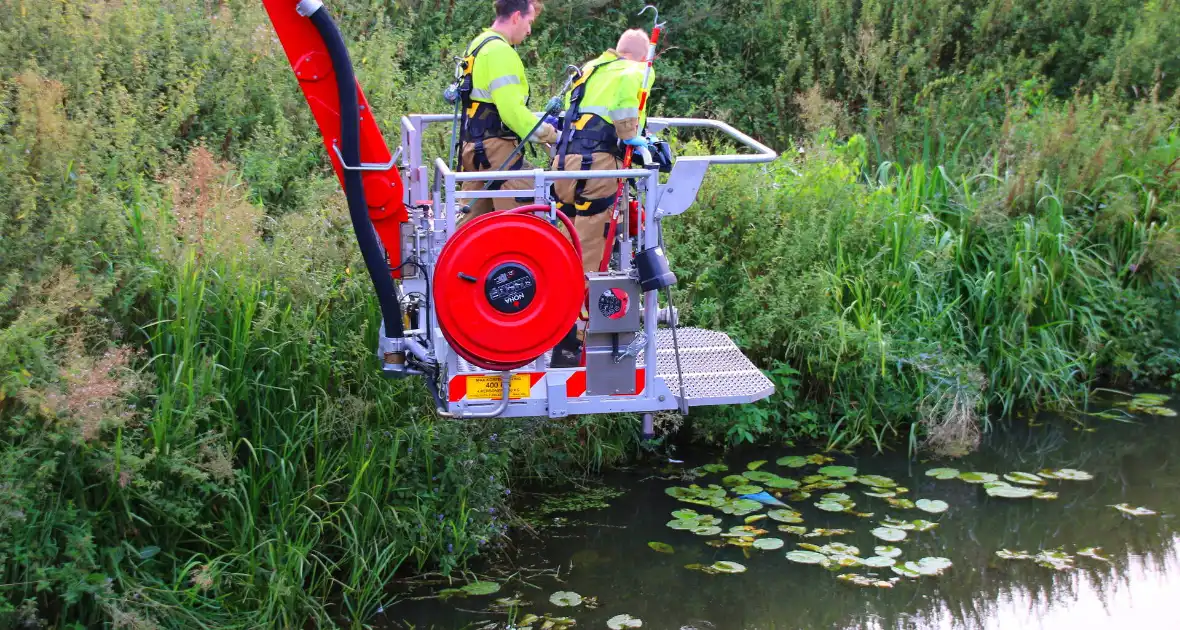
837, 497
901, 504
755, 518
797, 530
1045, 495
799, 496
898, 524
889, 534
1055, 559
887, 551
782, 483
783, 516
819, 459
978, 477
887, 494
709, 530
565, 598
1008, 554
714, 468
661, 547
932, 566
942, 473
878, 562
837, 471
924, 526
756, 465
683, 524
759, 476
735, 480
747, 489
876, 481
685, 515
1133, 511
619, 622
908, 569
480, 588
1010, 492
725, 566
1073, 475
792, 461
830, 506
805, 557
840, 548
768, 544
1028, 479
1094, 552
933, 507
819, 531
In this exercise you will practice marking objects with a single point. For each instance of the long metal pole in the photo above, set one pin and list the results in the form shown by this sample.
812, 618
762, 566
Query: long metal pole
643, 92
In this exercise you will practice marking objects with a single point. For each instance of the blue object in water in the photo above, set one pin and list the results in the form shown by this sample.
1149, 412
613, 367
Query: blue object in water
764, 498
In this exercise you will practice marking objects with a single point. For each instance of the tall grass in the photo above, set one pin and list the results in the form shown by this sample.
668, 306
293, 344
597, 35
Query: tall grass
193, 432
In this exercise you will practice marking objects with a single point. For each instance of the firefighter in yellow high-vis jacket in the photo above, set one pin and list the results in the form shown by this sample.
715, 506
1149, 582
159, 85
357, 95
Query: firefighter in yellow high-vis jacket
602, 114
496, 117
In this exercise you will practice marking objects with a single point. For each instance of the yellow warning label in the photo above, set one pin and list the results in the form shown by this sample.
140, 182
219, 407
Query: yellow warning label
488, 387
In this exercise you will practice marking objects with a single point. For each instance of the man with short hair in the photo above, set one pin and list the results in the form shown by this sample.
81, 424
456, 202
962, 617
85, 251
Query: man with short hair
496, 117
602, 109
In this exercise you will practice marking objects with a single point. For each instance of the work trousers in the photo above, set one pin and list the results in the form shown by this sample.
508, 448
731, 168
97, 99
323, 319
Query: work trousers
591, 229
497, 150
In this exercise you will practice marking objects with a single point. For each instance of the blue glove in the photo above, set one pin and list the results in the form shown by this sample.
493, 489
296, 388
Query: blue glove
552, 120
637, 141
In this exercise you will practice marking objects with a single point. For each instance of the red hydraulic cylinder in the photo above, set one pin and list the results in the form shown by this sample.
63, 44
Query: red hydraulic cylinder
313, 68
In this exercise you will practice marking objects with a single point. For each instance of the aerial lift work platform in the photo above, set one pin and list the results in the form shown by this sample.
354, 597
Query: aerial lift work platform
476, 310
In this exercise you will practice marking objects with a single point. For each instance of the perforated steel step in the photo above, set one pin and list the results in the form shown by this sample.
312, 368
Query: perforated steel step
715, 370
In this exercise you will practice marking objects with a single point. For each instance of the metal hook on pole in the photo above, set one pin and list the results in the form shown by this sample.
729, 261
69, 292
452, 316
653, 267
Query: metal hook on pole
656, 21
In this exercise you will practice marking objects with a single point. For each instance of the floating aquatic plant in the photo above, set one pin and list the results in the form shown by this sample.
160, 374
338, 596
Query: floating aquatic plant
887, 551
865, 581
1133, 511
1005, 491
879, 562
708, 530
942, 473
1094, 552
1068, 474
759, 476
901, 504
821, 532
565, 598
725, 566
889, 534
806, 557
768, 544
819, 460
1152, 404
683, 524
839, 548
792, 461
830, 506
978, 477
661, 547
1055, 559
782, 483
685, 515
480, 588
1028, 479
619, 622
933, 507
714, 468
876, 481
797, 530
735, 480
885, 494
756, 465
747, 489
785, 516
837, 471
1008, 554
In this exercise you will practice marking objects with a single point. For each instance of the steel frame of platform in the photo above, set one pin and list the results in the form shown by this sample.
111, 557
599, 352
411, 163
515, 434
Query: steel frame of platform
714, 369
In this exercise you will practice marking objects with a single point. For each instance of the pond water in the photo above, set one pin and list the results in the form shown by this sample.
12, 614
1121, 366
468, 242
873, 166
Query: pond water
604, 553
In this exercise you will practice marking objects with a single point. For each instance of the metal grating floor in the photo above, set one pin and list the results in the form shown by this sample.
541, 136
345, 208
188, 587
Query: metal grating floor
715, 370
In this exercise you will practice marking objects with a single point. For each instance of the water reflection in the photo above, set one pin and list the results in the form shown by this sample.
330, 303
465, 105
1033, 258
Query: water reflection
1131, 463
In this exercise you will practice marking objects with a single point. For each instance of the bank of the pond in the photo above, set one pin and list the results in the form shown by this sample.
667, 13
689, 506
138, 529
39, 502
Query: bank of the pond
1119, 571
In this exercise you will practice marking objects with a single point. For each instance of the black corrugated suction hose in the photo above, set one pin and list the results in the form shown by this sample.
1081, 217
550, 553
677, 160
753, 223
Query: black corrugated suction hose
350, 149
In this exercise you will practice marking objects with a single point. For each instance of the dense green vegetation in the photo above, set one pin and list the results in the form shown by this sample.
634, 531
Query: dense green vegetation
975, 212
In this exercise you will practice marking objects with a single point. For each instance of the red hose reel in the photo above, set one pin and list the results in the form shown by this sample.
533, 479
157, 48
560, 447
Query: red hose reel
508, 287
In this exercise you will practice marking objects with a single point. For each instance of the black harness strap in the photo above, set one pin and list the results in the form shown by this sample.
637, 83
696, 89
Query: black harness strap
480, 120
585, 135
